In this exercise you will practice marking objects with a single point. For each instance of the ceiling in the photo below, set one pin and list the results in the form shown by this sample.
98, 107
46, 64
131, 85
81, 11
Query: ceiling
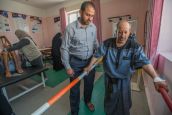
41, 3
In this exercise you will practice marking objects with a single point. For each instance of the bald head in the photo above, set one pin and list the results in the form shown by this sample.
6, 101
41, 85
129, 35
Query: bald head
123, 23
123, 33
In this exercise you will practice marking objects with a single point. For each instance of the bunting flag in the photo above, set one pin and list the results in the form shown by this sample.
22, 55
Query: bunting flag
56, 19
16, 15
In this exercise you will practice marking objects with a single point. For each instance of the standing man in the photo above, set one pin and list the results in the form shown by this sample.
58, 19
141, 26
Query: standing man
77, 48
121, 56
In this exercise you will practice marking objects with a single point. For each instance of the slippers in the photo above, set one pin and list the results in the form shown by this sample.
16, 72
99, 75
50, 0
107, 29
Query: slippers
90, 106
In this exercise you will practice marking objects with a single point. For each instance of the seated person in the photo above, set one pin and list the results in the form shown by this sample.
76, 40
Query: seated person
6, 56
56, 55
28, 47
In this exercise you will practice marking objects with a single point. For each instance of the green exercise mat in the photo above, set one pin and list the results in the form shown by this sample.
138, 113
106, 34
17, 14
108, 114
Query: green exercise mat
54, 77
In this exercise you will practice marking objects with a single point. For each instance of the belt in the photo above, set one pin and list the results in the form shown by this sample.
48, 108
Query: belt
113, 80
79, 58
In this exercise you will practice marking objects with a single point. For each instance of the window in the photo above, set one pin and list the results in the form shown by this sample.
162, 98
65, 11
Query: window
72, 16
164, 43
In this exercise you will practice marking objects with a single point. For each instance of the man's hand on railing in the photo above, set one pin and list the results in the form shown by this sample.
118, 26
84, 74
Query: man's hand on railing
158, 82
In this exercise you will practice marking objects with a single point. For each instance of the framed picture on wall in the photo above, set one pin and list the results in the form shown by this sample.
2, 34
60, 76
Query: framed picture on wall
36, 24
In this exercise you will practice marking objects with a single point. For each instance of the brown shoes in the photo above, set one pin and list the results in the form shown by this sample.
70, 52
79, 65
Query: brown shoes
90, 106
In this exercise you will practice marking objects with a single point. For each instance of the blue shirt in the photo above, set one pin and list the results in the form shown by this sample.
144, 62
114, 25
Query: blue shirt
78, 41
120, 62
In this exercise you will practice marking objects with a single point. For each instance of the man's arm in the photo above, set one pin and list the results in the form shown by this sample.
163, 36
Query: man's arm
96, 43
158, 82
65, 53
92, 62
150, 70
65, 50
142, 61
100, 53
19, 45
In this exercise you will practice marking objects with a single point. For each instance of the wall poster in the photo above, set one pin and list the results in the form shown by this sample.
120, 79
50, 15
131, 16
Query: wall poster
36, 24
4, 25
20, 21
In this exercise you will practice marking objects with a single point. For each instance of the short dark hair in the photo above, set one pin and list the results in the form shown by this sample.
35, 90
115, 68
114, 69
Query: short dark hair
85, 4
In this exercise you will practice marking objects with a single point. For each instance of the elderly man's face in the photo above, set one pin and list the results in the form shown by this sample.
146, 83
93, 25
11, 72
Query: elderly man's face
123, 34
87, 15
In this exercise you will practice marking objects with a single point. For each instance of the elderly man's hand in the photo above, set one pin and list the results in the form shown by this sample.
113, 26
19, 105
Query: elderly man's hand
161, 84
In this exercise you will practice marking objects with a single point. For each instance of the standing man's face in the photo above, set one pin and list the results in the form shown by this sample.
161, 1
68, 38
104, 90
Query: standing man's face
123, 33
87, 15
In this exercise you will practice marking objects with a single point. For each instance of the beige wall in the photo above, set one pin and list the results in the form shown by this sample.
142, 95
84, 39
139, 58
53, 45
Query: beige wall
112, 8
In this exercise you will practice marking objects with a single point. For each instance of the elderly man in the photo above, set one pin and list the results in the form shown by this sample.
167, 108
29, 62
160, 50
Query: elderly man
121, 56
77, 48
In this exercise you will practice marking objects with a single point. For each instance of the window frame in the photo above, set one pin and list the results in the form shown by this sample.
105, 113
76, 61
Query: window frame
70, 13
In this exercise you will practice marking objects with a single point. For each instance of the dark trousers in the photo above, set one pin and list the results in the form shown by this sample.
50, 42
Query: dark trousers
78, 65
5, 108
38, 63
117, 96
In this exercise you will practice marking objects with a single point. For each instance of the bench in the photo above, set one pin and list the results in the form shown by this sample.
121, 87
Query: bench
29, 72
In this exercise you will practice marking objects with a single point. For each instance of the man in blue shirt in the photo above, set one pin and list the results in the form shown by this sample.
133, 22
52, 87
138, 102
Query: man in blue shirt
77, 48
121, 55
